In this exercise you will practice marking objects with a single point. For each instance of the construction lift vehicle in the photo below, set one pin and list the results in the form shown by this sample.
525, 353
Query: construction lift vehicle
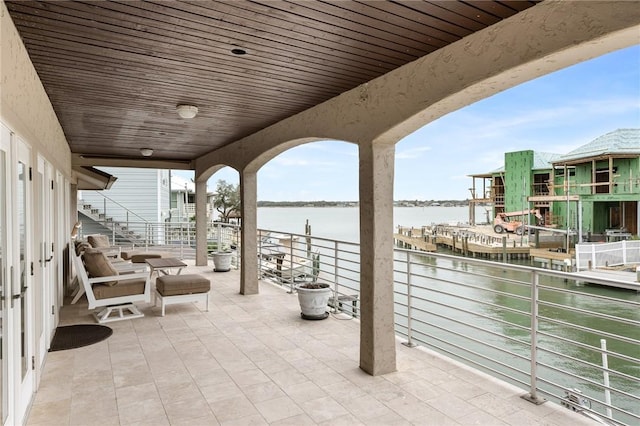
504, 222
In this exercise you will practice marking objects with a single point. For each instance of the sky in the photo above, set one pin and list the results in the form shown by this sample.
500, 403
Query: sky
555, 113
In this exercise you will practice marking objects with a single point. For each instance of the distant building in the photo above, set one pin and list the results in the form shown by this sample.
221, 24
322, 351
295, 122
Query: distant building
138, 196
594, 189
183, 200
605, 176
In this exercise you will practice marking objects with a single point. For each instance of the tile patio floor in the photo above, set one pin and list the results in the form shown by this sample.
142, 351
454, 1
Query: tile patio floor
251, 360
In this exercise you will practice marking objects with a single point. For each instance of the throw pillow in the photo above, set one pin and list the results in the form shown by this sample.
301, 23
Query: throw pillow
98, 241
97, 265
81, 246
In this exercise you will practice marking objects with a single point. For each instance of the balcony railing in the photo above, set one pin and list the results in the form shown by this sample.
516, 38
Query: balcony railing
540, 188
541, 330
620, 253
178, 238
538, 329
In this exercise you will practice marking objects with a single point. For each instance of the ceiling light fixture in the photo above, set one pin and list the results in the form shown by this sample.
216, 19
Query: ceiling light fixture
146, 152
187, 111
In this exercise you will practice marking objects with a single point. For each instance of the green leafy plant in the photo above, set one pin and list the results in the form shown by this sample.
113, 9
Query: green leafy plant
316, 267
314, 286
212, 247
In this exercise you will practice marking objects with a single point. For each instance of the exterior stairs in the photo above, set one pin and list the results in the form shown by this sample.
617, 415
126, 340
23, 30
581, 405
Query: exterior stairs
124, 236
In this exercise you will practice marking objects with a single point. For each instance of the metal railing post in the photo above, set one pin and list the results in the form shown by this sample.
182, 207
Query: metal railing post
335, 277
290, 264
605, 373
533, 392
409, 342
260, 258
182, 248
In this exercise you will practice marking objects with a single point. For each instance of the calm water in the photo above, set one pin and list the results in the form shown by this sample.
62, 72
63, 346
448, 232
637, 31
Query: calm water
342, 224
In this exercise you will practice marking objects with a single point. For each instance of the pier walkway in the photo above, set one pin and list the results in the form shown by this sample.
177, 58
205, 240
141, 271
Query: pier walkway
477, 241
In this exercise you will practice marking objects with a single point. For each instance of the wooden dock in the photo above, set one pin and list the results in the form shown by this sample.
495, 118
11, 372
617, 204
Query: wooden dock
615, 278
475, 242
468, 242
413, 243
553, 259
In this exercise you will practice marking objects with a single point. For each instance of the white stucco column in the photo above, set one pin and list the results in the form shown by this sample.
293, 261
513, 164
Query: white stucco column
201, 222
249, 247
377, 337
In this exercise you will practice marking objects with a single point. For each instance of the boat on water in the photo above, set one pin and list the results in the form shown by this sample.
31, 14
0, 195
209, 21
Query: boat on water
286, 258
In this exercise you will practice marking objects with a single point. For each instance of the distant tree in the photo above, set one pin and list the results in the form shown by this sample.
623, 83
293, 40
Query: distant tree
226, 199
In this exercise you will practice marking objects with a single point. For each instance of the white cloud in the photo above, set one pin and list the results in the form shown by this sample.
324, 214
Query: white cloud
288, 161
412, 153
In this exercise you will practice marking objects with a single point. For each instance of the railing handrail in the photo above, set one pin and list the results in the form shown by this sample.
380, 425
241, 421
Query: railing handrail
535, 316
421, 308
126, 209
596, 255
411, 316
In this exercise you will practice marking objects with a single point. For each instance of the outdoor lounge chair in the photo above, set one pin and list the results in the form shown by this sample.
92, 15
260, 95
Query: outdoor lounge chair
105, 287
118, 264
102, 243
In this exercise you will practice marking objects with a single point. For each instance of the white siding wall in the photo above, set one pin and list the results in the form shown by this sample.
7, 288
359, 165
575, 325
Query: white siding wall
139, 190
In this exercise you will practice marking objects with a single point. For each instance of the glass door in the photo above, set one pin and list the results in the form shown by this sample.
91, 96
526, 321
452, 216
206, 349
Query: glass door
23, 269
46, 294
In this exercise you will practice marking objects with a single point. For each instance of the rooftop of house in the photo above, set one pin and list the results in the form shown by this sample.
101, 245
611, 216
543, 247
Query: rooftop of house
544, 160
618, 142
541, 161
621, 141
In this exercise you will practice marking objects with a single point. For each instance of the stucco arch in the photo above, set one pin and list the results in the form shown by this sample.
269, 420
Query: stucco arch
257, 163
201, 177
207, 173
545, 38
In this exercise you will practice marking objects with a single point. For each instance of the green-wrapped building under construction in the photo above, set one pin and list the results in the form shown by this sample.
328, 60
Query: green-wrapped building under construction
593, 190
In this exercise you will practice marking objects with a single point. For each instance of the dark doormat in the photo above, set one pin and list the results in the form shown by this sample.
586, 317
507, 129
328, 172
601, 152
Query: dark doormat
76, 336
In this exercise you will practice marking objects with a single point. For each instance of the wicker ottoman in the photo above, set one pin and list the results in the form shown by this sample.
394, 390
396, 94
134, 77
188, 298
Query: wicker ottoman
171, 289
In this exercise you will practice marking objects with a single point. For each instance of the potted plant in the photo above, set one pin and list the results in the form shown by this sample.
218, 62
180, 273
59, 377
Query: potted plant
314, 298
221, 257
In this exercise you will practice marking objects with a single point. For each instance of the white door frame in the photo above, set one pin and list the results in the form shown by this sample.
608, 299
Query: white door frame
22, 283
43, 249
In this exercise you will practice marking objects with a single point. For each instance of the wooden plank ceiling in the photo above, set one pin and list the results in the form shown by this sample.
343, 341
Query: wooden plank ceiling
115, 70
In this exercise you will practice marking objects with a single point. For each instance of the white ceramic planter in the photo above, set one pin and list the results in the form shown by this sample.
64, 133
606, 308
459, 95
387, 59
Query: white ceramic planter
313, 301
221, 261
